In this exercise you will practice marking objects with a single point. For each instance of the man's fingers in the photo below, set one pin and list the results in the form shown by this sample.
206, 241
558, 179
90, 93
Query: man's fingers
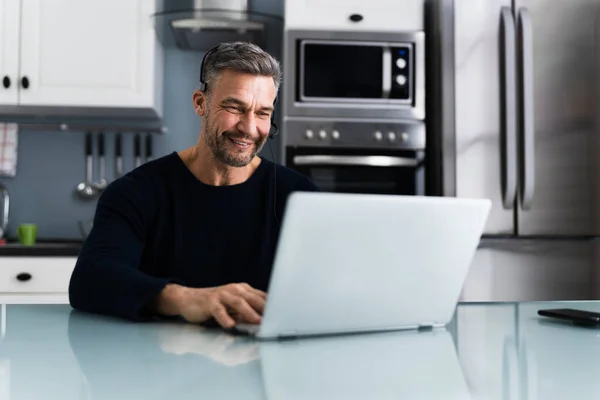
256, 298
241, 305
256, 302
238, 302
247, 288
219, 312
260, 293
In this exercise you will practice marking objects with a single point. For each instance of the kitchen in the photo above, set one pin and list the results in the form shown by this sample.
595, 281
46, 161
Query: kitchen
473, 98
444, 135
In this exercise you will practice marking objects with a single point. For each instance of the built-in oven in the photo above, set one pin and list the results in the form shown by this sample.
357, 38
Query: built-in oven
361, 171
354, 74
357, 155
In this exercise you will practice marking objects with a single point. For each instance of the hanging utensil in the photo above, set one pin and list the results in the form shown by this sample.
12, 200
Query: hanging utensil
85, 189
118, 155
102, 183
137, 148
4, 195
148, 147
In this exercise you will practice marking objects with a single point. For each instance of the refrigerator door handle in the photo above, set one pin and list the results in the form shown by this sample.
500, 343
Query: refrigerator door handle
509, 110
527, 116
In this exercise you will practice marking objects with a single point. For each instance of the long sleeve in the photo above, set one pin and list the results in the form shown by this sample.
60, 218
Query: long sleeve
107, 278
159, 224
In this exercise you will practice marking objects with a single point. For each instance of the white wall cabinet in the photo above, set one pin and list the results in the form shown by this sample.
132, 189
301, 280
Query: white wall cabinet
35, 279
80, 53
378, 15
9, 51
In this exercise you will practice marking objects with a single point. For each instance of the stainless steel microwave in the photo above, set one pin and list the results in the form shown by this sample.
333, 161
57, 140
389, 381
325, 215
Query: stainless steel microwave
353, 71
354, 74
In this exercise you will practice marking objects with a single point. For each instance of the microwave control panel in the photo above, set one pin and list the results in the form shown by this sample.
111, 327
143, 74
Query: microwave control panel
401, 73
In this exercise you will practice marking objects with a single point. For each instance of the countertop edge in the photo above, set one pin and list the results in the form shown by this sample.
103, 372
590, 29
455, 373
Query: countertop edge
46, 248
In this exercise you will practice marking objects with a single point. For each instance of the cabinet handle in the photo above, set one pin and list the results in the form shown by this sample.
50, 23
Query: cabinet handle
6, 82
24, 276
25, 82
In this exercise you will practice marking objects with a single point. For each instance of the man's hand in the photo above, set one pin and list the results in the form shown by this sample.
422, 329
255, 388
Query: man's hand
228, 304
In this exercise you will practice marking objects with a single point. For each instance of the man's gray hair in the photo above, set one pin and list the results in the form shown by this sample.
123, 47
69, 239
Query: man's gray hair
240, 57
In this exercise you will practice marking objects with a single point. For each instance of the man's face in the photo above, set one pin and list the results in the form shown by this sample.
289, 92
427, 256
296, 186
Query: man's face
237, 116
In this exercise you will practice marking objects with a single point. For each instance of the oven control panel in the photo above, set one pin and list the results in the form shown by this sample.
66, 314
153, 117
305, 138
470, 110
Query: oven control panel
323, 132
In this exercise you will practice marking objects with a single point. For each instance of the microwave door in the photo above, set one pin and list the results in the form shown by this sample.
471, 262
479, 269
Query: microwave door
331, 72
386, 79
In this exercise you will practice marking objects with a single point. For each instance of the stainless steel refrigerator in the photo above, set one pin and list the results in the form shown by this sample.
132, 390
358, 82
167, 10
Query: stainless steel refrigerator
515, 94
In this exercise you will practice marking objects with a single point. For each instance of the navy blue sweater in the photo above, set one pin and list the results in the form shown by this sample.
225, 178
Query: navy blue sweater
160, 224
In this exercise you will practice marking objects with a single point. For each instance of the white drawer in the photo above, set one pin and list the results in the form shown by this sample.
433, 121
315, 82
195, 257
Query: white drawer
38, 274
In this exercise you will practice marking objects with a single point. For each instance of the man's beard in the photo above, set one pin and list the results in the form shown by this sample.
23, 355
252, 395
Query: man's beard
218, 145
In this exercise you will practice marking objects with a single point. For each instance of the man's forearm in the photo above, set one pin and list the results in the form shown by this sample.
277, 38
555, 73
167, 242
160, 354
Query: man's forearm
169, 300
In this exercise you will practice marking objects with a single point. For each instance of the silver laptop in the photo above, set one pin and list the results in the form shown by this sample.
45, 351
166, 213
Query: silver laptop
349, 263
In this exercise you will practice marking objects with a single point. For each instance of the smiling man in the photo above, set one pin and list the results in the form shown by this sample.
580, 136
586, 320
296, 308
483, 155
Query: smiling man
193, 234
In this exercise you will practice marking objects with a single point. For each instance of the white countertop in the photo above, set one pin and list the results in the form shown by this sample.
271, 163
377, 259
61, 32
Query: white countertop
490, 351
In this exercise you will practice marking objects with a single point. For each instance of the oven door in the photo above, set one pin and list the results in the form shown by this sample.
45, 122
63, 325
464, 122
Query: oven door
361, 171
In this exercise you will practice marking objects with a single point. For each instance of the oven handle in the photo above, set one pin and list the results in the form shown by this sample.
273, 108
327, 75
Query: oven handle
364, 161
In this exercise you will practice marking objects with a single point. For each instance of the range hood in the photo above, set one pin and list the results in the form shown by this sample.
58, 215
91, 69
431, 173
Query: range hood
206, 23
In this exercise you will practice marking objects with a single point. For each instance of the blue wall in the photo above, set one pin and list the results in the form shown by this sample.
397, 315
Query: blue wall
51, 164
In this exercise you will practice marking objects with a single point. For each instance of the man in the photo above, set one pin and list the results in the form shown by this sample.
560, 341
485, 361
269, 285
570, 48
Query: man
193, 234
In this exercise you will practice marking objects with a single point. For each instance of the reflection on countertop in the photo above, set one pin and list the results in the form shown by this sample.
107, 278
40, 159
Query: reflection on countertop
53, 352
43, 248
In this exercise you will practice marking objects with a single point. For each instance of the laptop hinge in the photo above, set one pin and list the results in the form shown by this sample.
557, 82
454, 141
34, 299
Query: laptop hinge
289, 335
426, 327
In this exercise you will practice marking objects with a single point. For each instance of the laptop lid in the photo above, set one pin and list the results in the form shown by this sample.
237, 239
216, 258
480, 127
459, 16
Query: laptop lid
364, 262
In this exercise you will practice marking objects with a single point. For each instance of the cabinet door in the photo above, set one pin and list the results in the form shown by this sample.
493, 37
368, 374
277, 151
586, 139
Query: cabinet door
46, 274
9, 51
88, 53
378, 15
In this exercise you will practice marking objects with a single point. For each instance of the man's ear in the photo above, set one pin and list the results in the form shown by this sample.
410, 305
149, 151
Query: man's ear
199, 102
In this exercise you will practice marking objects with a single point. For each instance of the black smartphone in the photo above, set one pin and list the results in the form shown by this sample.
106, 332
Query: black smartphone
580, 317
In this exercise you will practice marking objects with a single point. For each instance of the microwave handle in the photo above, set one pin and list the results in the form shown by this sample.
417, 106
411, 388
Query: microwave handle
361, 161
386, 84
